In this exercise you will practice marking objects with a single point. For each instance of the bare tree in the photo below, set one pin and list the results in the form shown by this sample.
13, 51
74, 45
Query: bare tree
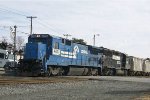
19, 42
4, 39
11, 37
3, 44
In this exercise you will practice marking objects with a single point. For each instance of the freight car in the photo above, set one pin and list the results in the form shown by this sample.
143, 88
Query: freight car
50, 55
136, 65
146, 67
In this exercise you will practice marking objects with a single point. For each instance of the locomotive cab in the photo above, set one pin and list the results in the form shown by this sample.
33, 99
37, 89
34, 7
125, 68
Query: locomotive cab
34, 54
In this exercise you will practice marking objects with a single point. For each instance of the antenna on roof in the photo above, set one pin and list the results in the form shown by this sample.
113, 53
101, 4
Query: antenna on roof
66, 35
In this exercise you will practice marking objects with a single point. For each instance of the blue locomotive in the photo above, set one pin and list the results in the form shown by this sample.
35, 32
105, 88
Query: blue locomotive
50, 55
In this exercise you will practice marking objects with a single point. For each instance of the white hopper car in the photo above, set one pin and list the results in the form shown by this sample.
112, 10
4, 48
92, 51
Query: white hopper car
139, 66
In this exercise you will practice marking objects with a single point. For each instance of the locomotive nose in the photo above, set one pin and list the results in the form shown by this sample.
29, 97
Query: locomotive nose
35, 51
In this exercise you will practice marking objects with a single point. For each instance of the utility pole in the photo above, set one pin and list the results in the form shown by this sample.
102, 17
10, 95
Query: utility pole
31, 17
15, 27
94, 38
66, 35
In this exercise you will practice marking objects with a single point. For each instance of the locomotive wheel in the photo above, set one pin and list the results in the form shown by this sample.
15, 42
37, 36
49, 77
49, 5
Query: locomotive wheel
66, 71
94, 72
125, 73
85, 72
55, 71
110, 72
89, 72
132, 73
61, 71
106, 72
99, 71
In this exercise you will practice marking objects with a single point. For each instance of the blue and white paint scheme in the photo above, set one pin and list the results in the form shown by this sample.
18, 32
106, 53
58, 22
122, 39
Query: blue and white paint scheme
56, 52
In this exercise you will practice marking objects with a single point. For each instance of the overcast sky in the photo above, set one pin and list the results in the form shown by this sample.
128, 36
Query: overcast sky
123, 25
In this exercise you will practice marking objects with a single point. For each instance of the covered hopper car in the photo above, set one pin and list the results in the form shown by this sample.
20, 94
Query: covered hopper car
146, 67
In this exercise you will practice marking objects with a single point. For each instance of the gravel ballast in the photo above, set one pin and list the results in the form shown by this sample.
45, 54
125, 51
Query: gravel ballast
81, 90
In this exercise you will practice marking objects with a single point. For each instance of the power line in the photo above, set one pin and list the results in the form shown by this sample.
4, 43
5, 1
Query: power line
28, 17
6, 7
48, 27
17, 12
12, 9
4, 29
23, 32
10, 29
12, 26
5, 10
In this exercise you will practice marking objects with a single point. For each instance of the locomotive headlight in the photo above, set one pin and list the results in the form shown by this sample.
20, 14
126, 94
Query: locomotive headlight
37, 35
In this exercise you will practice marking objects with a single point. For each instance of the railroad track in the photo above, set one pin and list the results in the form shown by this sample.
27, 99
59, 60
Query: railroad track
36, 80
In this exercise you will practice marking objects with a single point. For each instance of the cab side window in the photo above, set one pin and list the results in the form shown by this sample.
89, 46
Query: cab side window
56, 45
63, 41
68, 42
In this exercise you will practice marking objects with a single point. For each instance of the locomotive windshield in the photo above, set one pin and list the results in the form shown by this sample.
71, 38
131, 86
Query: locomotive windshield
38, 38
